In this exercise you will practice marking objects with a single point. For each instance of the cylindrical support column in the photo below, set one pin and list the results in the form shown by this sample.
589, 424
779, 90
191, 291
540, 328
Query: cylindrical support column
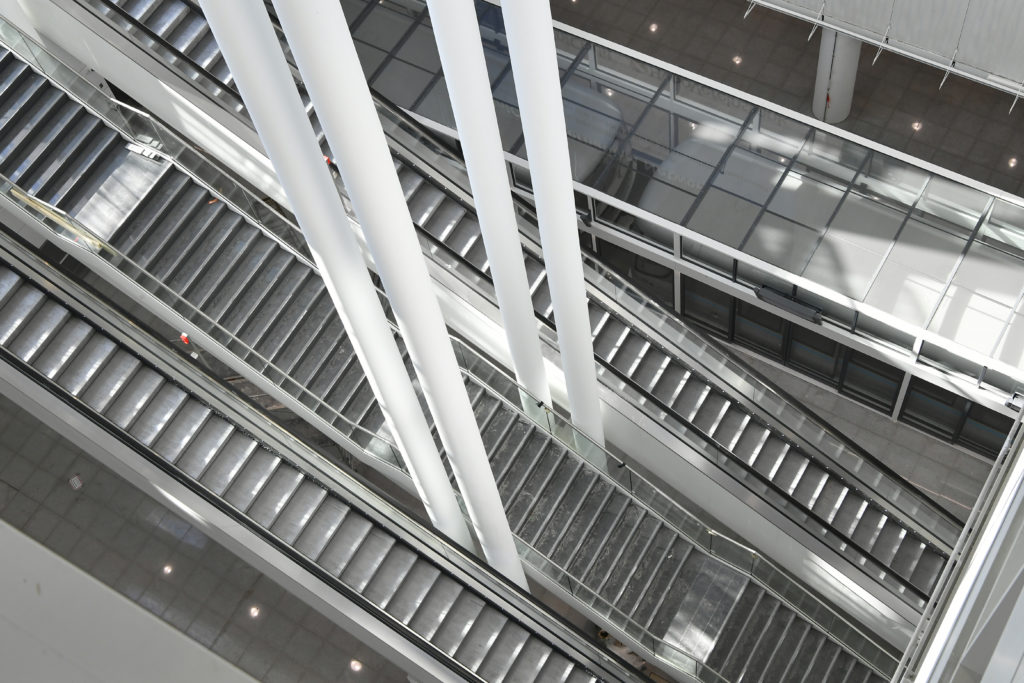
462, 58
334, 79
531, 46
251, 49
838, 58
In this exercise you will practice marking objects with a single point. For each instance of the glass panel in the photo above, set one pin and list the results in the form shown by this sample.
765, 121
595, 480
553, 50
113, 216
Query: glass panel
984, 430
933, 409
871, 381
760, 329
706, 306
815, 354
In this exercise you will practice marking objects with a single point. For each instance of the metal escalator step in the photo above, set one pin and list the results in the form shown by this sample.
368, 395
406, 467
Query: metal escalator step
362, 566
691, 398
434, 606
412, 591
221, 471
321, 527
298, 511
711, 412
749, 444
181, 430
481, 638
790, 471
848, 515
731, 426
501, 657
208, 276
869, 526
236, 284
770, 456
214, 437
458, 622
578, 529
162, 407
134, 396
31, 338
810, 486
19, 309
265, 314
283, 346
208, 230
9, 284
140, 228
612, 335
68, 342
274, 495
556, 668
648, 372
289, 314
830, 498
345, 542
424, 202
81, 370
516, 458
389, 577
927, 569
906, 557
251, 478
522, 500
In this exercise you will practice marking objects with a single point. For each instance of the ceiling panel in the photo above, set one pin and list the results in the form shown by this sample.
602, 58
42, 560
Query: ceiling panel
869, 15
992, 40
929, 25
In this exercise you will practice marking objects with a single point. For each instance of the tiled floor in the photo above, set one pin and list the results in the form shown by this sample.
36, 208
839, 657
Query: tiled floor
953, 476
965, 126
150, 555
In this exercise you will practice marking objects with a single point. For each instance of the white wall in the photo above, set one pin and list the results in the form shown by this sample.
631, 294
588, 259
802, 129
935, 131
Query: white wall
57, 623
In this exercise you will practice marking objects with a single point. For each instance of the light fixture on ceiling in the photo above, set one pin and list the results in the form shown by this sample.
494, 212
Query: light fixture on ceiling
654, 28
168, 569
254, 611
1012, 163
609, 92
916, 125
737, 60
355, 664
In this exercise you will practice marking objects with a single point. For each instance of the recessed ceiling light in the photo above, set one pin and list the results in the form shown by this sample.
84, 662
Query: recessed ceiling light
254, 611
916, 125
653, 27
693, 125
609, 92
355, 664
168, 569
1012, 162
737, 60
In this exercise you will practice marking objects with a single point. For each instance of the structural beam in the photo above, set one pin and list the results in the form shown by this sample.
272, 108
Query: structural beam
838, 57
250, 47
531, 45
334, 79
462, 59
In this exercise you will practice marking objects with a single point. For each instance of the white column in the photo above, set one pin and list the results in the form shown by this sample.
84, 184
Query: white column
326, 56
531, 45
838, 57
245, 36
465, 71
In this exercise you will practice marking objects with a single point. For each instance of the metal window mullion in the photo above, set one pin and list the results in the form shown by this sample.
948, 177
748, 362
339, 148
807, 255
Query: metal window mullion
959, 261
899, 231
718, 167
393, 52
771, 195
835, 211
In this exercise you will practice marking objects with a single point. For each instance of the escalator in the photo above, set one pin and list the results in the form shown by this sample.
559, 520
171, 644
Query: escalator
351, 548
640, 567
900, 539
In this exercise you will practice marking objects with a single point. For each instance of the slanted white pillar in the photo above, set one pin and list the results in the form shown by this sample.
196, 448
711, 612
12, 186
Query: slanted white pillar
838, 58
250, 47
531, 46
326, 56
462, 58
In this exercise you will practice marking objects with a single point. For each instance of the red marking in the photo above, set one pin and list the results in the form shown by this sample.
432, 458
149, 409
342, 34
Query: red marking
184, 338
